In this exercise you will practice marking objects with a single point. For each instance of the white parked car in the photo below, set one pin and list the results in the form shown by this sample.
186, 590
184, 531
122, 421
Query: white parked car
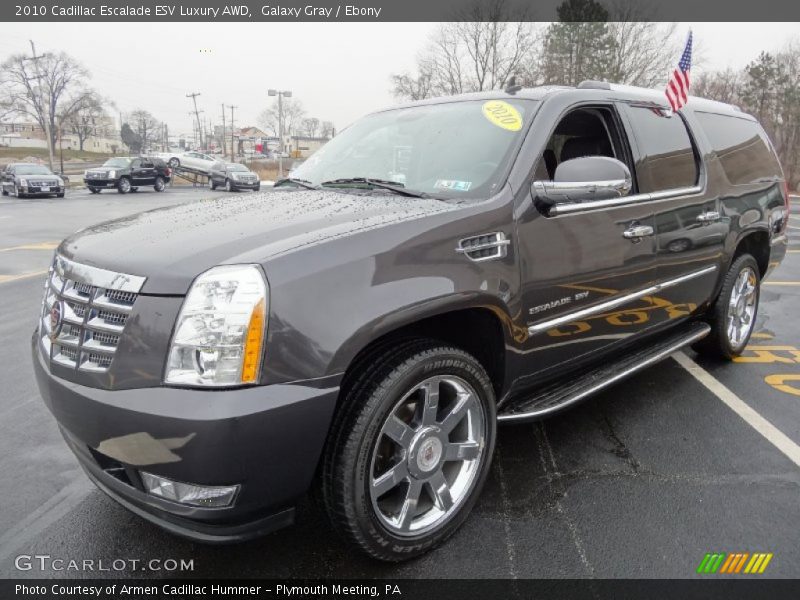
190, 160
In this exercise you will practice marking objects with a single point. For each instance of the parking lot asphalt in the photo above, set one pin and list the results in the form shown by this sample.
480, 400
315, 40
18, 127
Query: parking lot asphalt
640, 481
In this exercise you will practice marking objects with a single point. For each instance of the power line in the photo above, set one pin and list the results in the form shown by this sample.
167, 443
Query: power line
194, 96
233, 130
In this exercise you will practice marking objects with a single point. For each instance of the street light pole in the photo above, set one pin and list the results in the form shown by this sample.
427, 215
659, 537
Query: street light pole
280, 94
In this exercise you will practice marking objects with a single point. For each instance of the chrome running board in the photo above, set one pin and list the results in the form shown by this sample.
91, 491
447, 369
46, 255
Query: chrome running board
556, 397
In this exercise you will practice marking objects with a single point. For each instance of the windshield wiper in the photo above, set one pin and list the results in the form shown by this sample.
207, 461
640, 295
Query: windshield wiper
304, 183
393, 186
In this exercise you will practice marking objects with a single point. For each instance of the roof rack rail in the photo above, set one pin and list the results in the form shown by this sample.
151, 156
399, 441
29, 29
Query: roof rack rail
591, 84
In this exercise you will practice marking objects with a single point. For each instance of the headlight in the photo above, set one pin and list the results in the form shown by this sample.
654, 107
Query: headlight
86, 173
23, 181
111, 174
220, 330
59, 182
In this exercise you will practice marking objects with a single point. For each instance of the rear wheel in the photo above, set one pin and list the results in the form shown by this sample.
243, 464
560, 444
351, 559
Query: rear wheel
174, 162
159, 185
124, 185
412, 448
733, 315
212, 184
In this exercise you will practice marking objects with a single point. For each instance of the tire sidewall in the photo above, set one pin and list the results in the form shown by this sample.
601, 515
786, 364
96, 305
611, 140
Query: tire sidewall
737, 267
159, 184
375, 534
124, 186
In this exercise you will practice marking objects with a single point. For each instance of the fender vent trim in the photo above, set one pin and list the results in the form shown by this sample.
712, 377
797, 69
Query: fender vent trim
487, 246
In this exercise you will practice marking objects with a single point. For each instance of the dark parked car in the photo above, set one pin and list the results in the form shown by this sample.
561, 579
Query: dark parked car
128, 174
24, 180
434, 270
233, 177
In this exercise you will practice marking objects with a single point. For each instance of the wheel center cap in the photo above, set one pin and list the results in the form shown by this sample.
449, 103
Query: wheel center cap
429, 454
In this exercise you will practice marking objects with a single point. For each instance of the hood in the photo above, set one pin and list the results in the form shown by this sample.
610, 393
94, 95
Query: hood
171, 246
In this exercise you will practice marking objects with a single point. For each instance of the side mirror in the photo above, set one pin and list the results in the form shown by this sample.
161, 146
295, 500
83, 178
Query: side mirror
585, 179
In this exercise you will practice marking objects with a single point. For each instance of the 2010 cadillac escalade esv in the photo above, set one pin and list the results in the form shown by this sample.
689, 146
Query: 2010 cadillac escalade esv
435, 269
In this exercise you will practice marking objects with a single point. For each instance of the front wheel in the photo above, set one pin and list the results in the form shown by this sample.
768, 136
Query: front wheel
60, 195
159, 185
412, 447
124, 185
733, 315
228, 185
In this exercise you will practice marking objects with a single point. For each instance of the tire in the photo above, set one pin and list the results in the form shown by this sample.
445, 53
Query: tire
732, 325
212, 184
362, 450
5, 191
258, 188
159, 185
174, 162
124, 185
228, 186
17, 193
94, 190
134, 189
59, 195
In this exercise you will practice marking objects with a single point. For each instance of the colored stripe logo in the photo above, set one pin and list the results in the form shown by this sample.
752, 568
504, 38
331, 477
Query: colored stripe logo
734, 563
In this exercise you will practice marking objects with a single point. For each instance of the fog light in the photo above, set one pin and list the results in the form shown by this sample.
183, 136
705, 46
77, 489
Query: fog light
207, 496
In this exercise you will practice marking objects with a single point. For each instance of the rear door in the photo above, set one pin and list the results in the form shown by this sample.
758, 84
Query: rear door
690, 230
147, 172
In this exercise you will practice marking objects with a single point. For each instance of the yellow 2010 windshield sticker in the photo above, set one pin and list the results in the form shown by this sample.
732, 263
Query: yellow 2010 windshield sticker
502, 114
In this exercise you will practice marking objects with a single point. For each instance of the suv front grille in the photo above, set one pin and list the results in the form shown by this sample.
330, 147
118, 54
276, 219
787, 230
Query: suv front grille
84, 313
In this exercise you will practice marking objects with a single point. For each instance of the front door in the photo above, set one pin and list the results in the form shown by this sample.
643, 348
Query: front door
584, 275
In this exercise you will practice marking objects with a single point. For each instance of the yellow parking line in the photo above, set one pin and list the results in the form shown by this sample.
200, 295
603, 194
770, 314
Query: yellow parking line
780, 283
793, 251
9, 278
38, 246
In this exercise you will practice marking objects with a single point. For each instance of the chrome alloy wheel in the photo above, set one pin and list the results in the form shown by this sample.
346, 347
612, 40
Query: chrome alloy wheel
427, 456
742, 307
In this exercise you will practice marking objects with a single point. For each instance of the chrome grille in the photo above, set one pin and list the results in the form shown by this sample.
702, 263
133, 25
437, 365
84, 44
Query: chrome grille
94, 305
38, 183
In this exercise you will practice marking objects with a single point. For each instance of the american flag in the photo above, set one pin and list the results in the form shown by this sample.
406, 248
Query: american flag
678, 86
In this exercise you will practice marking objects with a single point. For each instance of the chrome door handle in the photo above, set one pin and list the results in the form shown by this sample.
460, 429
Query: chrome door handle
635, 232
708, 217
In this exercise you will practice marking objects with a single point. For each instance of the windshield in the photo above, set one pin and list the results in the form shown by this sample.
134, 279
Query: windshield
237, 168
117, 162
32, 170
453, 150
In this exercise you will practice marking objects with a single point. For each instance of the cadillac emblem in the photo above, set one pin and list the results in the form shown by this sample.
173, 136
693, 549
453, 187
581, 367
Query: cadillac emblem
56, 319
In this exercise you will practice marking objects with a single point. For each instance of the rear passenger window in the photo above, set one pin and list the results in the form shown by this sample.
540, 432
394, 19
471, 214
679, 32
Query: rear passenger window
741, 146
667, 158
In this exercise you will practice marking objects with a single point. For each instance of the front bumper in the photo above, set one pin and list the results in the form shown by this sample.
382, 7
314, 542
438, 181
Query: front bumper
35, 189
267, 439
246, 185
101, 183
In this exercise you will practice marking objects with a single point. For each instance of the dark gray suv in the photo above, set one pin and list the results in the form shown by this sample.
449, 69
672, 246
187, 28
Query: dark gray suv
434, 270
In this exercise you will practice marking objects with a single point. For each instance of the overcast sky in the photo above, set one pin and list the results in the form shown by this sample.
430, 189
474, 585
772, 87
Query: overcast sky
338, 70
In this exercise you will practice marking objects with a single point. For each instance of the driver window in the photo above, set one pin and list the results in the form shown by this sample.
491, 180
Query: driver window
136, 164
582, 132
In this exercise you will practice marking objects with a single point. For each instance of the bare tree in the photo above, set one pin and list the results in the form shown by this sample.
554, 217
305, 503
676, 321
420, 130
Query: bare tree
643, 51
725, 86
55, 89
327, 129
293, 114
310, 126
83, 122
487, 43
146, 125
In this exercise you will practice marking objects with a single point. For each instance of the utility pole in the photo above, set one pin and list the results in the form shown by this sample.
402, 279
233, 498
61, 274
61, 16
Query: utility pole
223, 130
280, 94
194, 96
44, 103
233, 156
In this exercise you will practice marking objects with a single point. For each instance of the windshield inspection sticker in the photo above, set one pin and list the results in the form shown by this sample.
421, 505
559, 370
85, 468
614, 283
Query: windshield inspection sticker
452, 185
502, 114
